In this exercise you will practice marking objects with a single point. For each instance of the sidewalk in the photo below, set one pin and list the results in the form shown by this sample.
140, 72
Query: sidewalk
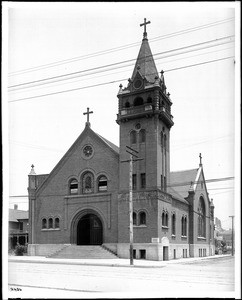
118, 262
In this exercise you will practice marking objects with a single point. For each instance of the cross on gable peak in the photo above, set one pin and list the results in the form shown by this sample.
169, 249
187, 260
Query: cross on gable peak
144, 24
200, 157
88, 112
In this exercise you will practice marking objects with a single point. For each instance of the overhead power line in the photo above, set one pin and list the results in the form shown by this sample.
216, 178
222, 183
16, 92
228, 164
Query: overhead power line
117, 67
182, 183
110, 82
74, 59
113, 68
200, 181
38, 86
128, 61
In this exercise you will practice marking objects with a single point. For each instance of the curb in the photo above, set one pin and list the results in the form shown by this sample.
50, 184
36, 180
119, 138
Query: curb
162, 264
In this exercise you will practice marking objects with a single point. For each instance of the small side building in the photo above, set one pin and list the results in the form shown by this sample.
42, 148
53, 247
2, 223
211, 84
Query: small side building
18, 227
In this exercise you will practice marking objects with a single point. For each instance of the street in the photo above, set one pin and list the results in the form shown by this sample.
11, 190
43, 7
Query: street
197, 278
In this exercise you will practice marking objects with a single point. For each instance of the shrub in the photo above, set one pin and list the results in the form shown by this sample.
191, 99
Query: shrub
19, 250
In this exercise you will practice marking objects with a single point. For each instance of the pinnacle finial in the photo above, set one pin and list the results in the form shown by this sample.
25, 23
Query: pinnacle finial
32, 172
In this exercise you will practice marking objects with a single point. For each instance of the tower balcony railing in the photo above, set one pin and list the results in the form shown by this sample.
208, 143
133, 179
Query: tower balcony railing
135, 109
166, 113
144, 109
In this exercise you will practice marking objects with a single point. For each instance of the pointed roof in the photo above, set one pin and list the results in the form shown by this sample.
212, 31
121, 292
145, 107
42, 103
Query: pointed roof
182, 181
16, 214
145, 64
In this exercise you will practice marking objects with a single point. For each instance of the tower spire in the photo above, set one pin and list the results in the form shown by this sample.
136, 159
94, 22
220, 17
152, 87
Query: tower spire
145, 64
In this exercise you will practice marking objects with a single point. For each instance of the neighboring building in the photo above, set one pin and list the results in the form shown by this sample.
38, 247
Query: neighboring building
227, 237
218, 225
223, 238
217, 228
18, 227
85, 199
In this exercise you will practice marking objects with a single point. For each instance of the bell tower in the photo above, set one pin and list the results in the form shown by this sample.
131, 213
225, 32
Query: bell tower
145, 121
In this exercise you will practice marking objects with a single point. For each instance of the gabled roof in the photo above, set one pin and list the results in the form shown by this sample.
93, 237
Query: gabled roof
183, 181
176, 195
145, 61
110, 144
15, 215
86, 131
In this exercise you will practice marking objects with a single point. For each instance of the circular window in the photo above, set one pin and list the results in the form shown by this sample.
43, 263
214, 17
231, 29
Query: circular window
88, 151
137, 126
137, 83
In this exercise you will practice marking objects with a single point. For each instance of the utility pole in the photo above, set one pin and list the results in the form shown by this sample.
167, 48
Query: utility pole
131, 234
232, 234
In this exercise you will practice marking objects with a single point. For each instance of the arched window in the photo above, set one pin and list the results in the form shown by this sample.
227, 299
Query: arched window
142, 218
184, 226
127, 104
138, 101
133, 137
50, 225
201, 218
134, 218
57, 223
162, 139
165, 144
173, 221
149, 100
165, 219
87, 183
73, 186
142, 136
44, 223
102, 184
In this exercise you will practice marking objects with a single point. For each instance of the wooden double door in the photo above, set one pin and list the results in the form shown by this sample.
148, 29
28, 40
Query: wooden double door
89, 230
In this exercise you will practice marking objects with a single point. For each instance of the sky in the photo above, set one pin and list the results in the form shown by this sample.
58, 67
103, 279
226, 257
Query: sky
97, 43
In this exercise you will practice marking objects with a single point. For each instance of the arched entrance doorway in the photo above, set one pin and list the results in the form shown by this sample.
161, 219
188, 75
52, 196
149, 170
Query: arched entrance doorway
89, 230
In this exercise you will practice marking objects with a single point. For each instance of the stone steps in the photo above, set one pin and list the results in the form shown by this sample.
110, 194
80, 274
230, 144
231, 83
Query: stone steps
83, 252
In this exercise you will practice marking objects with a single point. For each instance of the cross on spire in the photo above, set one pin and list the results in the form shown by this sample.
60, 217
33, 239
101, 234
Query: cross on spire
88, 113
144, 24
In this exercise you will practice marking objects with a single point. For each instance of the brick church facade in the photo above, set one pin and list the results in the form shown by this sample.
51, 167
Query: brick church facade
85, 198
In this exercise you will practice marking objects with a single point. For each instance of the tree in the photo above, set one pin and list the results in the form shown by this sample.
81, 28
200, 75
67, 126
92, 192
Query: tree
223, 246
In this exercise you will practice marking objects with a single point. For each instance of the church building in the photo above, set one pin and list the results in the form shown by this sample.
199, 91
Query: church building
85, 200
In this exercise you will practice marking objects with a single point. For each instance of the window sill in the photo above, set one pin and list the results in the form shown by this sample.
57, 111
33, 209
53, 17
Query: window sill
50, 229
173, 236
140, 226
164, 227
201, 238
94, 194
184, 237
